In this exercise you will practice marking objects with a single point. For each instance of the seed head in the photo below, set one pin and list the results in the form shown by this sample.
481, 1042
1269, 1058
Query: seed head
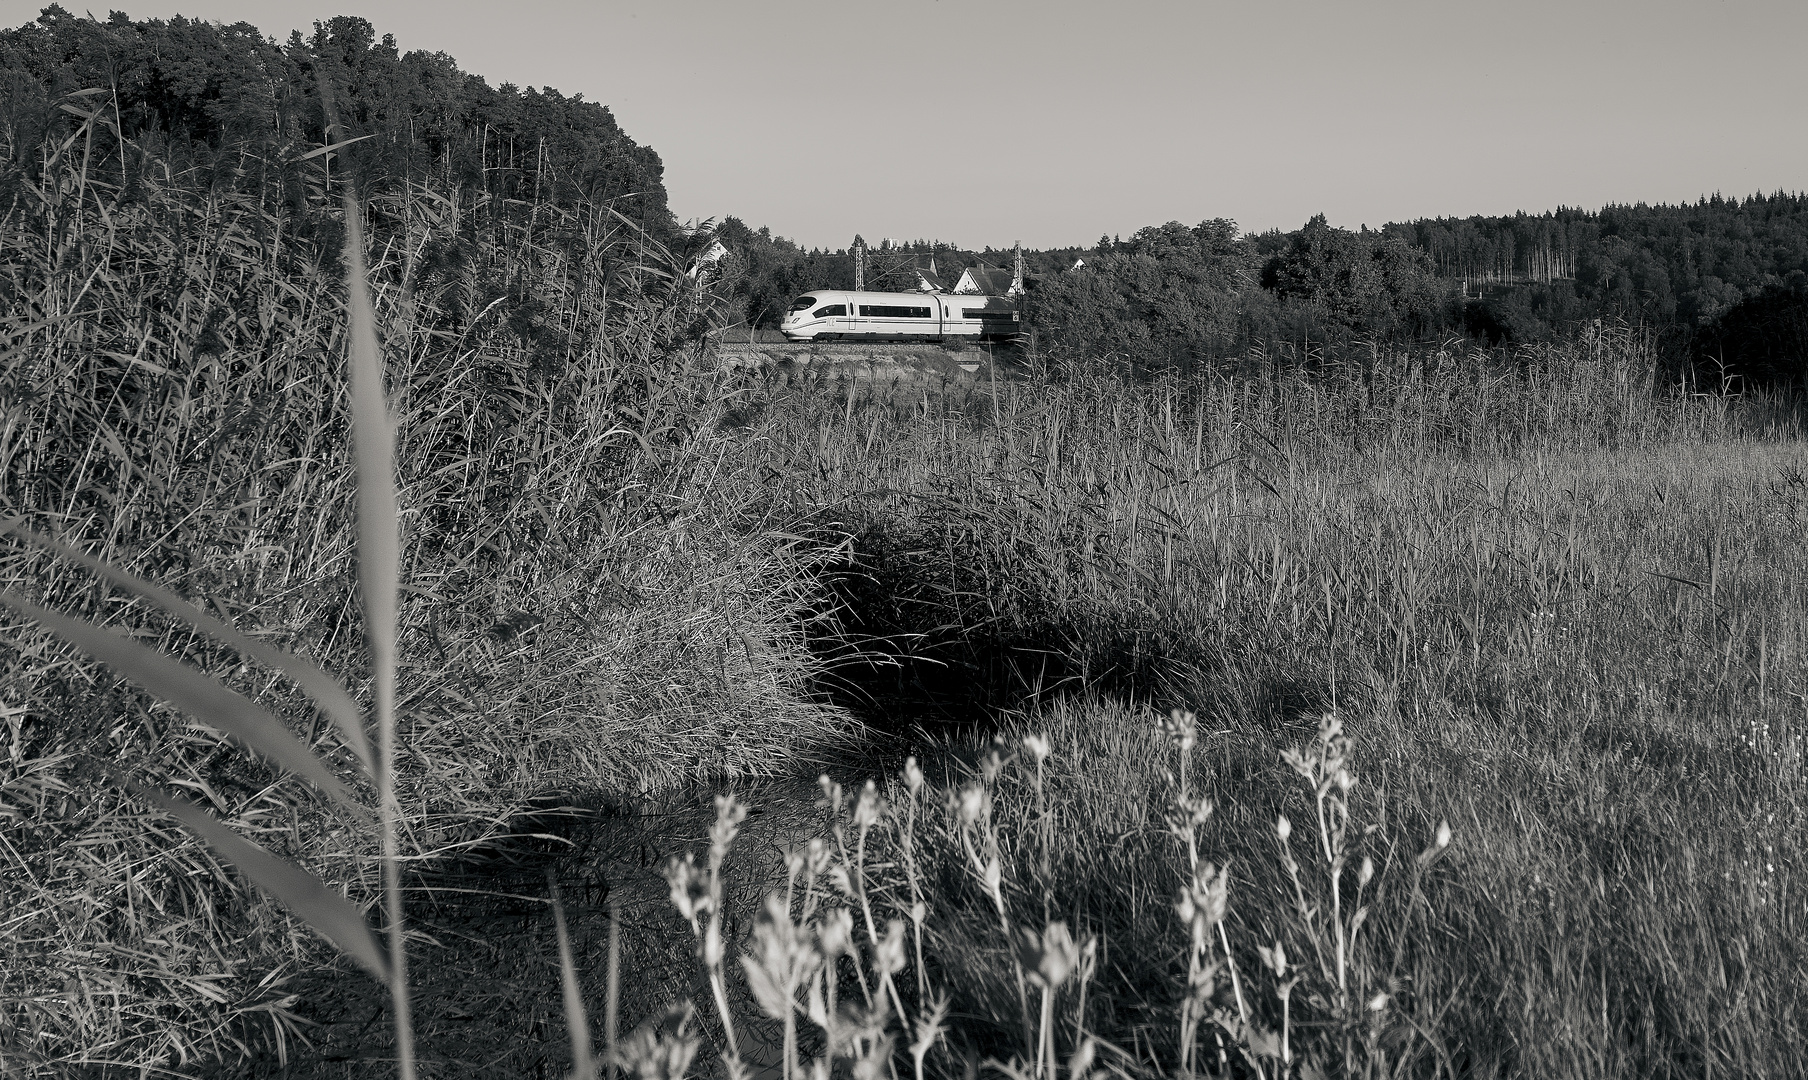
993, 876
1037, 746
1050, 959
1283, 828
730, 812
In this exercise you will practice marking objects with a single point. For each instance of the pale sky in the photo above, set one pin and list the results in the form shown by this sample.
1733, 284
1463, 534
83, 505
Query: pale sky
992, 121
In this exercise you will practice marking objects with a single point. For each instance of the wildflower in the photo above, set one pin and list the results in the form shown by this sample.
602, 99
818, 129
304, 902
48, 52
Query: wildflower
994, 876
784, 959
660, 1049
730, 812
1283, 828
1275, 958
975, 802
913, 775
888, 956
1037, 746
1081, 1062
868, 808
817, 855
991, 765
1182, 728
835, 933
1050, 959
690, 888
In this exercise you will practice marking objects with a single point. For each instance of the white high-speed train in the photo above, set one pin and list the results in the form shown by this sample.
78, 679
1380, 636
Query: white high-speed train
833, 315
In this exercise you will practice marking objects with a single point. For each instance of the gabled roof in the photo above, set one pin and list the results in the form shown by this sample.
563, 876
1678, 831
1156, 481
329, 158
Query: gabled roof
989, 280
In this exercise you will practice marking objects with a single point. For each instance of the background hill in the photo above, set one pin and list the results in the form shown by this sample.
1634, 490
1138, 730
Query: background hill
227, 106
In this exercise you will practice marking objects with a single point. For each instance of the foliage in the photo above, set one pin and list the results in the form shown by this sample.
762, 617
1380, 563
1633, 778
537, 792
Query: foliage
1759, 343
1167, 294
239, 109
585, 607
1365, 282
1688, 262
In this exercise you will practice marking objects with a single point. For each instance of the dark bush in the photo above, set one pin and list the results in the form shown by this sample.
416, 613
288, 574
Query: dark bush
1760, 343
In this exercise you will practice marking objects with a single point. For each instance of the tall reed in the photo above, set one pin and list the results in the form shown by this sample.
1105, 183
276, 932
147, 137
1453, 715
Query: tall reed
570, 567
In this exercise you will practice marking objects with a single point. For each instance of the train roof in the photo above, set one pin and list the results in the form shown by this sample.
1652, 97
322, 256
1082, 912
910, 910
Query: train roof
901, 297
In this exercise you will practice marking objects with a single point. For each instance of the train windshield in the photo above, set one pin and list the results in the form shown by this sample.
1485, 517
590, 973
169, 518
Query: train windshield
803, 302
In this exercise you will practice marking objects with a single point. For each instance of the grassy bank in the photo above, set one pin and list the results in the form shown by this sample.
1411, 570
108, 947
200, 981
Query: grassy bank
586, 606
1549, 609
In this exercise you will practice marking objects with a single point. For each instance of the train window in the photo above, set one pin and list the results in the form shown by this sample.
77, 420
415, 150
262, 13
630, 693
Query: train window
829, 312
981, 313
892, 311
802, 303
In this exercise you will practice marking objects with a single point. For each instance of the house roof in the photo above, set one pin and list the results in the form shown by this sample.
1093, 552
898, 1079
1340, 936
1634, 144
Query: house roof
989, 280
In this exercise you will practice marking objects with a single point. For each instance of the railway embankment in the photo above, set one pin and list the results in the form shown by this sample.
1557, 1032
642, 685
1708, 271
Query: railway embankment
864, 361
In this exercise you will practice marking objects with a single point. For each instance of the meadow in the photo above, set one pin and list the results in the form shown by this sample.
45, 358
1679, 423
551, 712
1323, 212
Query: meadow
1405, 711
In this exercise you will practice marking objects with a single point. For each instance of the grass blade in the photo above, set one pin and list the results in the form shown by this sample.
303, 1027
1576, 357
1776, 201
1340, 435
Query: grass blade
379, 578
193, 692
575, 1019
332, 915
323, 688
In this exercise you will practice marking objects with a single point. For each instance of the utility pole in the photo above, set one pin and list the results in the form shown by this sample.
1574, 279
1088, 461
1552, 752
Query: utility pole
859, 265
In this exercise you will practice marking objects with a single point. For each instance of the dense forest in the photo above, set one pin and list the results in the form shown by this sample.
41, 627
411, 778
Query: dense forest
225, 106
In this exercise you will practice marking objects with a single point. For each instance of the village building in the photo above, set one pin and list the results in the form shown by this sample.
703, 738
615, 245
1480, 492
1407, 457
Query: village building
985, 280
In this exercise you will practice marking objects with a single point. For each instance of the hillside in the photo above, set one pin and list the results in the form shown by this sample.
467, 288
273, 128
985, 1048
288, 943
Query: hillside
225, 106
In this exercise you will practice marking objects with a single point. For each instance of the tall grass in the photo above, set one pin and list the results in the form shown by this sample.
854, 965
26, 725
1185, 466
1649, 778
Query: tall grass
582, 606
1555, 609
1495, 666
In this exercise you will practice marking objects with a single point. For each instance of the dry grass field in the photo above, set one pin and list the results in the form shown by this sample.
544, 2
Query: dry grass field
1416, 712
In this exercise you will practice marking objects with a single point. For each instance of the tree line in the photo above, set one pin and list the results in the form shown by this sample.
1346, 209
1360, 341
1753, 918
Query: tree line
222, 106
225, 105
1724, 280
